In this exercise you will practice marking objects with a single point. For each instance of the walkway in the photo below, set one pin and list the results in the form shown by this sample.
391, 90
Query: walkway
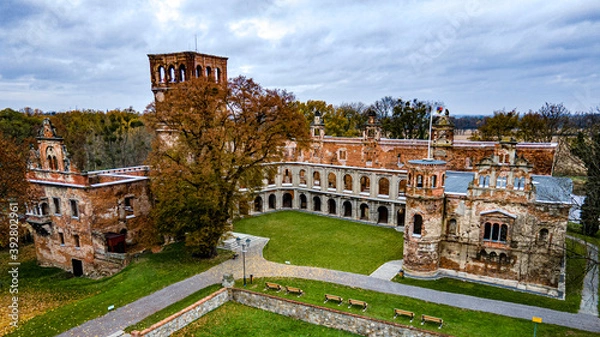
259, 267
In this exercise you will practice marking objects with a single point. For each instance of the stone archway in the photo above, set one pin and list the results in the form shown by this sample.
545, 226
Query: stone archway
347, 209
382, 214
287, 200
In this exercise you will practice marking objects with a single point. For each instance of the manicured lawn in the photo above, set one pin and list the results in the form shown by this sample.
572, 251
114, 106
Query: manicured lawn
53, 302
575, 266
234, 319
311, 240
457, 322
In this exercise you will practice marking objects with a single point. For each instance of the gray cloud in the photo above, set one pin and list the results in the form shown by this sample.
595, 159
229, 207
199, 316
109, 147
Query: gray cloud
476, 56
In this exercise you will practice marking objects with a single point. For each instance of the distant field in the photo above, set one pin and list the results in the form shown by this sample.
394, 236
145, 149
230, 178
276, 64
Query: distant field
319, 241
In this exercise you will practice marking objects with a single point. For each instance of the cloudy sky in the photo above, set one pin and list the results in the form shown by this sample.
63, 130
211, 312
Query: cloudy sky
476, 56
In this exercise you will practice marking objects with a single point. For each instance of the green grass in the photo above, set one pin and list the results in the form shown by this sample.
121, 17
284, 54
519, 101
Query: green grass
173, 308
234, 319
570, 304
457, 322
574, 229
311, 240
82, 299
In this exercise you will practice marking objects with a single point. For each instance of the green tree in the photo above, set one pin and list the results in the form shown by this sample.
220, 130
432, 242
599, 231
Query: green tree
309, 107
221, 138
541, 126
409, 120
587, 147
501, 125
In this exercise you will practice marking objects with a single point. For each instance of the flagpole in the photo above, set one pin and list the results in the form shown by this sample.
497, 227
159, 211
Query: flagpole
429, 142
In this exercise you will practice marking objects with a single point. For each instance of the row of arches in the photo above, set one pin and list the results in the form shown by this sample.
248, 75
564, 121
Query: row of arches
329, 206
172, 74
383, 184
427, 181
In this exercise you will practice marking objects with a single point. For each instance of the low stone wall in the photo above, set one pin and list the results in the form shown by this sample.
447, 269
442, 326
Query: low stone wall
306, 312
186, 316
327, 317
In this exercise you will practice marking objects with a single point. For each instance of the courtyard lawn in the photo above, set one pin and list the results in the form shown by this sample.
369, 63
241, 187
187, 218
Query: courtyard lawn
570, 304
319, 241
234, 319
51, 301
457, 322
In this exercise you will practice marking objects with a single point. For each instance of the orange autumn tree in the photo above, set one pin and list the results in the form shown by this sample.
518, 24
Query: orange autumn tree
14, 187
214, 140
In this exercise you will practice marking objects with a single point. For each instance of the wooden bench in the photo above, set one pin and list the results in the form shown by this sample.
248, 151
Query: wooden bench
358, 303
293, 290
400, 312
427, 318
334, 298
272, 286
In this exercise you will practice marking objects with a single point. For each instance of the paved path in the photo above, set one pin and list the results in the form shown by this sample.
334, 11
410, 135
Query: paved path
388, 270
259, 267
589, 293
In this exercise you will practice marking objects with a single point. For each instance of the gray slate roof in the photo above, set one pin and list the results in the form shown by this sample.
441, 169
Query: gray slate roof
548, 189
458, 182
552, 189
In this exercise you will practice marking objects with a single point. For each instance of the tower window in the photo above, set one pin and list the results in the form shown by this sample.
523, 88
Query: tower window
61, 237
76, 239
74, 209
56, 202
418, 224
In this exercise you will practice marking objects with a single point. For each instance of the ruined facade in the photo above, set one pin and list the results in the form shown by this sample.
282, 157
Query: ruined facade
489, 211
83, 221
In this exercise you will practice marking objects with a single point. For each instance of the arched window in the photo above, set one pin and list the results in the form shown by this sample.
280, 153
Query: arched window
433, 181
331, 205
519, 183
400, 217
55, 161
198, 71
495, 232
503, 258
543, 234
418, 224
384, 186
501, 182
348, 182
302, 177
487, 233
172, 77
365, 184
364, 212
382, 214
272, 201
316, 204
258, 204
287, 200
482, 254
303, 201
331, 183
182, 73
316, 179
218, 75
208, 72
419, 181
162, 78
287, 176
493, 256
402, 187
452, 227
347, 208
271, 177
503, 232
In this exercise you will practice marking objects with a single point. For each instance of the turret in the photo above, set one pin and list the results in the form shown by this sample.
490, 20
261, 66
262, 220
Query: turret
424, 216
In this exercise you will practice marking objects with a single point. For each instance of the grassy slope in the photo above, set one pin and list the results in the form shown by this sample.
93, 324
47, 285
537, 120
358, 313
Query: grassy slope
76, 300
234, 319
457, 322
312, 240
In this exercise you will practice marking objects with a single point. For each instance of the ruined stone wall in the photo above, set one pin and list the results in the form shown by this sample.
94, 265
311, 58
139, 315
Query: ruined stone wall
395, 153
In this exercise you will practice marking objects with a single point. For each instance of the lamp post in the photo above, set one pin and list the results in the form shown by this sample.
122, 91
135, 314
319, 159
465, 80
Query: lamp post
245, 247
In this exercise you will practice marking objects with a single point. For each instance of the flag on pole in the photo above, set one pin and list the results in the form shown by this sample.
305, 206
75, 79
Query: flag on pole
440, 109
